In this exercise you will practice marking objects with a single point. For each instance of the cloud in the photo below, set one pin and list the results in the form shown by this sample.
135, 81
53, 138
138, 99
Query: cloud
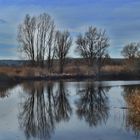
119, 18
2, 21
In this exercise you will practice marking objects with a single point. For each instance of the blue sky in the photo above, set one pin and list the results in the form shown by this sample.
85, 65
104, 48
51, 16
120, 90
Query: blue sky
120, 19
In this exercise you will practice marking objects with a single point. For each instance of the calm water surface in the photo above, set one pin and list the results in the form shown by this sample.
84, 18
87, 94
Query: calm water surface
70, 111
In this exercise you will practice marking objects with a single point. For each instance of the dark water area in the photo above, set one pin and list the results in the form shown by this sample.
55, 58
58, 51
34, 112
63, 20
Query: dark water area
87, 110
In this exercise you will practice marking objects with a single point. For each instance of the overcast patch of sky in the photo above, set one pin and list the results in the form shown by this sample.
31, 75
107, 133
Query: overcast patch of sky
8, 52
120, 18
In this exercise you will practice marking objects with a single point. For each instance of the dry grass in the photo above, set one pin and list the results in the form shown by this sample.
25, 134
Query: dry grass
133, 102
69, 69
114, 68
23, 71
78, 70
73, 69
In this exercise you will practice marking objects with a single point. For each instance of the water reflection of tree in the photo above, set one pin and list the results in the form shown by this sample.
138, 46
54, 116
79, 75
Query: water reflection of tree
43, 108
5, 88
93, 104
132, 98
63, 108
36, 117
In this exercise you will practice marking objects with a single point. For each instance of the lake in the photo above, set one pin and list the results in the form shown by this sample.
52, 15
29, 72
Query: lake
86, 110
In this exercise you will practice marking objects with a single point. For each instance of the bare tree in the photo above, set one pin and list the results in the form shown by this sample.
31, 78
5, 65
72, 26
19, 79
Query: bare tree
36, 37
44, 39
132, 54
63, 44
131, 50
93, 46
26, 36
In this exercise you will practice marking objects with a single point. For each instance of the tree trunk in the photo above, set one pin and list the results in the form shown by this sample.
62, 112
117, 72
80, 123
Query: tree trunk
61, 66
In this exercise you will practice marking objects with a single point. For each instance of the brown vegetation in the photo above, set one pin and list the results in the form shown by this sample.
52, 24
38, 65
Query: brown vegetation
132, 98
114, 68
22, 71
69, 69
74, 68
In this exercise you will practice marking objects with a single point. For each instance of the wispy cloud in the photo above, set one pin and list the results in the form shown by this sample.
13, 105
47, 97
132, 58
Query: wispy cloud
120, 18
2, 21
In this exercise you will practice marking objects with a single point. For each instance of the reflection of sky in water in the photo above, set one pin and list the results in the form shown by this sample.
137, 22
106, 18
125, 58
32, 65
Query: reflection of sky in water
9, 128
112, 128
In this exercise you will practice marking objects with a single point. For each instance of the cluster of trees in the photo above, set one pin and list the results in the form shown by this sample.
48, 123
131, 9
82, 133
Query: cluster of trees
39, 40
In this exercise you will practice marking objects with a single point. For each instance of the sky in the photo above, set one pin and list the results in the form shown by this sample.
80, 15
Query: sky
120, 19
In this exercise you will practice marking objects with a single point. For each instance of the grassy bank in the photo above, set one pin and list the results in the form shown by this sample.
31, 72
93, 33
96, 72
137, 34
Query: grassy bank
25, 71
108, 72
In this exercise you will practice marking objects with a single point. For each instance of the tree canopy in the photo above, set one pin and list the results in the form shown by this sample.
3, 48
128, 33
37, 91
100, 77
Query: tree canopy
131, 50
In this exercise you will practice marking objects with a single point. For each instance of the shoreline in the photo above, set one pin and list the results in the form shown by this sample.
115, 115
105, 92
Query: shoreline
76, 77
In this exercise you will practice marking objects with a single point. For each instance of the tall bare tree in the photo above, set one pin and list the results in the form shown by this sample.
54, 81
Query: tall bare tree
44, 41
36, 37
63, 44
26, 36
93, 46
